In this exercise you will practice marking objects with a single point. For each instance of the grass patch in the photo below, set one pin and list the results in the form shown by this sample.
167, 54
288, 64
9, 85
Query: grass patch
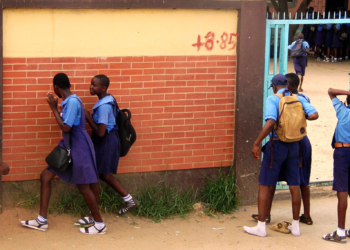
70, 202
162, 202
220, 195
25, 198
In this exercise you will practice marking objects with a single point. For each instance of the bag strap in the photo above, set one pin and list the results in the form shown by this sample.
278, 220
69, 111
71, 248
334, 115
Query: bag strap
68, 141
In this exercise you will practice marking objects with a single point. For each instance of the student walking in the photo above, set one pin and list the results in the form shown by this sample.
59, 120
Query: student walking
277, 154
83, 171
341, 163
300, 49
106, 142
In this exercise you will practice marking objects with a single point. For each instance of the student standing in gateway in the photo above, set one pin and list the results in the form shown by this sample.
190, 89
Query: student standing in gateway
304, 171
341, 163
277, 154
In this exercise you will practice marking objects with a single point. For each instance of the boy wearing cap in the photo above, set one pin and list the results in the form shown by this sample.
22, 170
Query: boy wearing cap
285, 155
341, 163
300, 63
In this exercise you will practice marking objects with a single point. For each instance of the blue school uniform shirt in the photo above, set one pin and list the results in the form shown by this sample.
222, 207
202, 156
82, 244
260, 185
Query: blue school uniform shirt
104, 112
305, 96
320, 27
342, 130
272, 107
305, 45
71, 112
329, 26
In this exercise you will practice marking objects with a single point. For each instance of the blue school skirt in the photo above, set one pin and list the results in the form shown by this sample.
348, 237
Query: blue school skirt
107, 150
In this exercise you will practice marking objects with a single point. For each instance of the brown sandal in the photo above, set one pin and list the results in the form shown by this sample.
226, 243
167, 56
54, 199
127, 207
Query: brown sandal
307, 221
281, 227
256, 217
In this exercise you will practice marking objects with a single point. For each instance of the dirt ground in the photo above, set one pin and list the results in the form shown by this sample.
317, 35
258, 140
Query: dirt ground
319, 77
198, 231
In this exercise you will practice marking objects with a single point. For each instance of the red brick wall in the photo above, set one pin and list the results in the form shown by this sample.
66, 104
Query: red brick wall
182, 106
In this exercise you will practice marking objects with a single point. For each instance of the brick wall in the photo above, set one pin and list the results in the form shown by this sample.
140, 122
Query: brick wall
182, 106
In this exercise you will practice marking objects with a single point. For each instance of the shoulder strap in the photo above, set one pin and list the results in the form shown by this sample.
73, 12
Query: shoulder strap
68, 140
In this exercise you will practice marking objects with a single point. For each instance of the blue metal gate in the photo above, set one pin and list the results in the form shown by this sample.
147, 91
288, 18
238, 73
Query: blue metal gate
277, 34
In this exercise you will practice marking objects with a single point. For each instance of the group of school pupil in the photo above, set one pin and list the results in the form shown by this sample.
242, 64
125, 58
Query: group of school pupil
331, 42
92, 158
287, 157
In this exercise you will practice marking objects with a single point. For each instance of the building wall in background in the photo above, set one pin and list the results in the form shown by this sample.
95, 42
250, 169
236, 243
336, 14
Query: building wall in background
174, 69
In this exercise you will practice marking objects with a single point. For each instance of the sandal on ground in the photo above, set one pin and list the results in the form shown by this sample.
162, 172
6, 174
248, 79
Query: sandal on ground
300, 90
93, 230
334, 237
347, 233
256, 217
35, 224
307, 221
281, 227
129, 205
85, 221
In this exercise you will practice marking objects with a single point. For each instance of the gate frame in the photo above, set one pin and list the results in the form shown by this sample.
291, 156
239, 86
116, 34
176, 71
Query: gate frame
282, 59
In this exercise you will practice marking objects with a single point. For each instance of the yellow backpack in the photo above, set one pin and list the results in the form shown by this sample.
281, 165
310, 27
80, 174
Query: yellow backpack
291, 122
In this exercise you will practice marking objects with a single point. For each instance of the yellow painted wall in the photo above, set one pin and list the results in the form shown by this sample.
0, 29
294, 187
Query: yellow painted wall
90, 33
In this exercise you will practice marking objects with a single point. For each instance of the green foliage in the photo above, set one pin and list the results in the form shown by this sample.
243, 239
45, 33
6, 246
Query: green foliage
70, 202
220, 194
110, 200
25, 198
161, 202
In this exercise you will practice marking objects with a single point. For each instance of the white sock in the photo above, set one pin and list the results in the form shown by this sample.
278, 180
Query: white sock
341, 232
41, 219
99, 225
294, 228
259, 230
127, 198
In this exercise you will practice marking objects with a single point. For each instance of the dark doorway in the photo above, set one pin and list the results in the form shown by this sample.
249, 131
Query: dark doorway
332, 5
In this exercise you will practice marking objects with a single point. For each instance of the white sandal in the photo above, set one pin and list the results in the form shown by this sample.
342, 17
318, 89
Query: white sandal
93, 230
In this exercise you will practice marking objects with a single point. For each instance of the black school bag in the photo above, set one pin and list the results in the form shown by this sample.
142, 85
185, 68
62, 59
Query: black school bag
126, 132
298, 49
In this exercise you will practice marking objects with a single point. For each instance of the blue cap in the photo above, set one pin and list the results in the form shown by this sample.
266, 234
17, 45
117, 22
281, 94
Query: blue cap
278, 80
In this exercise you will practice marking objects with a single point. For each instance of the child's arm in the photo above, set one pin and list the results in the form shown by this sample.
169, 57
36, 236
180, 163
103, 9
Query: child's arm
53, 102
309, 52
334, 92
4, 168
99, 129
264, 132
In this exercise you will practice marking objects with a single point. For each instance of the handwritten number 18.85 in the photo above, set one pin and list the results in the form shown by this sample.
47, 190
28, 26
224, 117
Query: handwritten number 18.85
210, 41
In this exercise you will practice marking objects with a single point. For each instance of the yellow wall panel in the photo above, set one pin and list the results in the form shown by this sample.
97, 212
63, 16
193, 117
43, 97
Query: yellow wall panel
90, 33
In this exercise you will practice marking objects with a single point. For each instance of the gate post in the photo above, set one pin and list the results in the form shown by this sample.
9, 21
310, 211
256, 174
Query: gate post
249, 96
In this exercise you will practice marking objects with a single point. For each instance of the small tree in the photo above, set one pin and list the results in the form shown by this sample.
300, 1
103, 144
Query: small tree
281, 6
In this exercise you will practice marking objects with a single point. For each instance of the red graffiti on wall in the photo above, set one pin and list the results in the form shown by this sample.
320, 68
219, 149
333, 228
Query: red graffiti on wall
226, 41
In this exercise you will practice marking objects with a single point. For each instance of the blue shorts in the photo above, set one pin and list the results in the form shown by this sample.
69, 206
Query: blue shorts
329, 37
300, 64
286, 157
341, 170
305, 170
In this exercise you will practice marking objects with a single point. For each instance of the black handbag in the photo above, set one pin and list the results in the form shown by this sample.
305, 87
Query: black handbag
60, 159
